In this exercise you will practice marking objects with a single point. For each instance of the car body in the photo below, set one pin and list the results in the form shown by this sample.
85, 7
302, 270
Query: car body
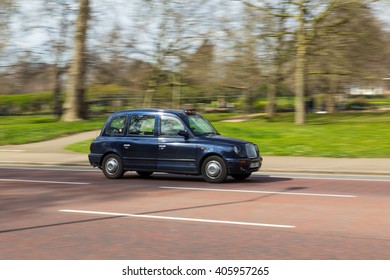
171, 141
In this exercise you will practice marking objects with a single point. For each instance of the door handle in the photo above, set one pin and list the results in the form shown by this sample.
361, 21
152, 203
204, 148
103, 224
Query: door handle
162, 147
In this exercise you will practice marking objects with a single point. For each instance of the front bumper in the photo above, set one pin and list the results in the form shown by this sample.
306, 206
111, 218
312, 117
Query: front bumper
243, 166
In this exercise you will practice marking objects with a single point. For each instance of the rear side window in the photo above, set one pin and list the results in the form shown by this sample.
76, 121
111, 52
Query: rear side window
116, 126
142, 125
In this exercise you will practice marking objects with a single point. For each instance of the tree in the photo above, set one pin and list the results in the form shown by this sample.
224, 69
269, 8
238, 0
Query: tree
277, 41
304, 20
349, 48
171, 31
197, 67
58, 36
6, 7
307, 14
75, 107
238, 65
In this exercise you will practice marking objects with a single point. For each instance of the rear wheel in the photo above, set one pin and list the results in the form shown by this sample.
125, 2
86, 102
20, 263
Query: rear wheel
112, 166
214, 169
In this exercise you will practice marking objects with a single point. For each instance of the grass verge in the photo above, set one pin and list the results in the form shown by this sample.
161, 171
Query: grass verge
28, 129
354, 135
343, 135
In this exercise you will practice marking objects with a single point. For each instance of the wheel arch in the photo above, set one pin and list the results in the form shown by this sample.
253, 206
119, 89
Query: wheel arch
204, 157
108, 153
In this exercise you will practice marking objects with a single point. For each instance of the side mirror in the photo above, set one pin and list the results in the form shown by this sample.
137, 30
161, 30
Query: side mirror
183, 133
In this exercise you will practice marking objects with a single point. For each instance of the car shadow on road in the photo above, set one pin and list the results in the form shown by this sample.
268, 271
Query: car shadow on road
193, 178
160, 211
57, 224
174, 178
233, 202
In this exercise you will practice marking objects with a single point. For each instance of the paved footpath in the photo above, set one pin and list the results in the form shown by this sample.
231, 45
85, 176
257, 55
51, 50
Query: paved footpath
52, 152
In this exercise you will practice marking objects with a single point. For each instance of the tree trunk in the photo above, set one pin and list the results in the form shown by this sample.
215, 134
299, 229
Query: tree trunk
57, 93
300, 86
176, 87
330, 102
300, 65
248, 100
271, 95
148, 96
75, 107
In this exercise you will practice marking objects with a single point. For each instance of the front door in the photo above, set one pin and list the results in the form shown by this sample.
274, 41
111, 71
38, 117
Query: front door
175, 153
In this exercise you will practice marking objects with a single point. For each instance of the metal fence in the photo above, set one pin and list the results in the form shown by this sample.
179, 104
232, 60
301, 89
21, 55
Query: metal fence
205, 104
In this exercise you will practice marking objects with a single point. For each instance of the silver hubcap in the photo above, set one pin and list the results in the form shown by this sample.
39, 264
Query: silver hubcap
213, 169
112, 166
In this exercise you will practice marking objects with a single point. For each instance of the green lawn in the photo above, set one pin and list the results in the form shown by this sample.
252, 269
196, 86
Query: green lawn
344, 135
35, 128
339, 135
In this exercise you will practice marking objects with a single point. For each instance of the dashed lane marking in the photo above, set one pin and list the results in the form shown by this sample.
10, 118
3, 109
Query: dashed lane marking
177, 218
45, 182
262, 192
51, 168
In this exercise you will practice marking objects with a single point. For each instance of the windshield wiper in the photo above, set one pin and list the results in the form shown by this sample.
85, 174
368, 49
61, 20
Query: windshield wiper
210, 133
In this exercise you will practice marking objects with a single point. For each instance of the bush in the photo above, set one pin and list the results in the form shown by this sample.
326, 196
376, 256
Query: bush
360, 103
26, 103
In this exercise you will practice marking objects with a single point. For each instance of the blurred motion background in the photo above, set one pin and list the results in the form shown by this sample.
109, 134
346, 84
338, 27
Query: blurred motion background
76, 59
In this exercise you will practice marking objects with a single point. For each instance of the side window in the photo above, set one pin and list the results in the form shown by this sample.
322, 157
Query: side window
142, 125
170, 126
117, 126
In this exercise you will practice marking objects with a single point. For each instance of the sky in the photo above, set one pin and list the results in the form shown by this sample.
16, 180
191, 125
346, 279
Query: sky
28, 37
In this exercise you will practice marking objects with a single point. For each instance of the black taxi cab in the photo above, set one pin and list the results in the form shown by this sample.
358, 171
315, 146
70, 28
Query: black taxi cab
171, 141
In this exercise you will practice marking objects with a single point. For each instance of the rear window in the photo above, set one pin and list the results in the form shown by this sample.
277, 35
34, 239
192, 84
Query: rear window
142, 125
116, 126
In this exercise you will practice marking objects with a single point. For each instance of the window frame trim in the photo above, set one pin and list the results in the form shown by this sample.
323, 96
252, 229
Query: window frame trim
130, 117
107, 134
175, 117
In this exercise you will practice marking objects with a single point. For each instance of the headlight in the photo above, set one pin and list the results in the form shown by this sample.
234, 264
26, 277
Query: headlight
251, 150
239, 152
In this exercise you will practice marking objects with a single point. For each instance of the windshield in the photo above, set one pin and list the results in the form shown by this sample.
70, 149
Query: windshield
200, 126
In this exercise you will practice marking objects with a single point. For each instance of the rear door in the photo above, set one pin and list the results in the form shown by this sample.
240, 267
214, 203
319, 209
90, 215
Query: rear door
140, 144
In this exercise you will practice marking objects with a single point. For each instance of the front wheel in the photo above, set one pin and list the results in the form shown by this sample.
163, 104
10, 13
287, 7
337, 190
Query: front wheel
214, 170
112, 166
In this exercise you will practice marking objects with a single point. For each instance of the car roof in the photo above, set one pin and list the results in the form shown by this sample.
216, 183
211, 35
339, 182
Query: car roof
151, 110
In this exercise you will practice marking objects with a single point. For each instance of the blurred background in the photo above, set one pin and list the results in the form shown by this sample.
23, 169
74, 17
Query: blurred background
75, 59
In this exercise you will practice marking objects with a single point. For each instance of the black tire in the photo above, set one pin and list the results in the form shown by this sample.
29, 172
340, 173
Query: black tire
214, 169
112, 166
241, 177
144, 174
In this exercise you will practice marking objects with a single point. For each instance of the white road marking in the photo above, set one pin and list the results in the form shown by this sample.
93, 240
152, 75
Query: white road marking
14, 151
176, 218
52, 168
262, 192
312, 176
326, 176
45, 182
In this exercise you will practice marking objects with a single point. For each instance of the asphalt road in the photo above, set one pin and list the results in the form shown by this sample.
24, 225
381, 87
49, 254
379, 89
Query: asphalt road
65, 213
